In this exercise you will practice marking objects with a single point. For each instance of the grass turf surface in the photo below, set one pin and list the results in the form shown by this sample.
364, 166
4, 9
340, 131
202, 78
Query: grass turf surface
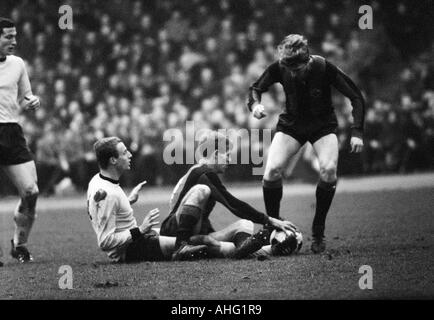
391, 231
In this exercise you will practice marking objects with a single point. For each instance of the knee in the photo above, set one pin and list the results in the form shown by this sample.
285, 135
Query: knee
30, 191
244, 225
273, 173
201, 193
328, 171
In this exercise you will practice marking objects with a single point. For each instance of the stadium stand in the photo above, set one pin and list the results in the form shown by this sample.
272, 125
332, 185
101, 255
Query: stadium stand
136, 68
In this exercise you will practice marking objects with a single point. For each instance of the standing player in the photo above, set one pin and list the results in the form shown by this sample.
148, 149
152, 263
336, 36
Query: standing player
111, 214
195, 196
309, 116
15, 157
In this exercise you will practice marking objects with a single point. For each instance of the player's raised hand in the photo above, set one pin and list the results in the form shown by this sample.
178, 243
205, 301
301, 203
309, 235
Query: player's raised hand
150, 220
134, 195
356, 145
259, 111
31, 102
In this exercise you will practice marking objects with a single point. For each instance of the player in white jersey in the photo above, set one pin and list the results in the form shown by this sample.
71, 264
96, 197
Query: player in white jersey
16, 159
111, 214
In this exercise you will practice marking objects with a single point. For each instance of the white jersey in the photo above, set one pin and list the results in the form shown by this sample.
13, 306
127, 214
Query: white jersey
14, 86
111, 215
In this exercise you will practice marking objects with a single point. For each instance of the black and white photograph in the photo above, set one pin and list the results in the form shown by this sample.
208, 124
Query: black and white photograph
229, 151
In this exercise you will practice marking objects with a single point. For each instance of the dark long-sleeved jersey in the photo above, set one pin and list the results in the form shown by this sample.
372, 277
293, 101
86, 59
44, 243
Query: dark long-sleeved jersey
203, 174
310, 95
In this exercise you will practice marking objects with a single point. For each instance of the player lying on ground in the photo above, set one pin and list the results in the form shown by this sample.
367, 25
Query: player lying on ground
16, 159
308, 116
194, 198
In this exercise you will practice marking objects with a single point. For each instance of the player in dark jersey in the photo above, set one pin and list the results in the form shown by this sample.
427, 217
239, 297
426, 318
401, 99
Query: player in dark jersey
195, 196
308, 116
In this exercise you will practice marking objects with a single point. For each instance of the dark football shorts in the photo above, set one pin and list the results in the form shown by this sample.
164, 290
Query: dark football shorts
145, 248
304, 130
169, 226
13, 145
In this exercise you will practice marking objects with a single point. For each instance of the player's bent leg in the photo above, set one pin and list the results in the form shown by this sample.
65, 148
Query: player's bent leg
282, 148
241, 234
189, 220
189, 215
327, 151
24, 178
216, 249
236, 232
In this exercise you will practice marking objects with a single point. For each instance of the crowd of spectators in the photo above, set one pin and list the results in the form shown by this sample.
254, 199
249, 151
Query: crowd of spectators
137, 68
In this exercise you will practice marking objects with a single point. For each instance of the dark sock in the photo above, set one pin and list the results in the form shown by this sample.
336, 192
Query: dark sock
325, 192
240, 237
189, 216
272, 191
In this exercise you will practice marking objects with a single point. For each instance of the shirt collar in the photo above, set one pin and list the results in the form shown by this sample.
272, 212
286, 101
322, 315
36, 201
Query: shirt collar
109, 179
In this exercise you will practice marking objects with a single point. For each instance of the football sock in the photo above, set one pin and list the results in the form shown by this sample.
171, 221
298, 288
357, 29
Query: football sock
189, 217
272, 191
240, 237
224, 250
24, 216
325, 192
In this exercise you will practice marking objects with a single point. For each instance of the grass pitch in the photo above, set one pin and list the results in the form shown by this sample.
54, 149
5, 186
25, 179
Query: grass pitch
390, 230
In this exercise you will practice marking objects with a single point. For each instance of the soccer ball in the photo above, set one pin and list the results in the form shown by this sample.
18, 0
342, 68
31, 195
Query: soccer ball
285, 244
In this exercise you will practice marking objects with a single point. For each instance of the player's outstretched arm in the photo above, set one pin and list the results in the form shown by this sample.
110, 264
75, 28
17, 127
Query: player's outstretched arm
239, 208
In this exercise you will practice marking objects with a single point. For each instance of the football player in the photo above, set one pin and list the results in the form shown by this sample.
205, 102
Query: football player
308, 116
111, 214
194, 198
16, 159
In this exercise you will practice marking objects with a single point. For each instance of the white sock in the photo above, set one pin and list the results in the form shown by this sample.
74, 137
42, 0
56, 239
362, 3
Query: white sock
226, 248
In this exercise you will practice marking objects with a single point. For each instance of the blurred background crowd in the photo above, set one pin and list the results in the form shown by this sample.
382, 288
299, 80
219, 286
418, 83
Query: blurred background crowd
137, 68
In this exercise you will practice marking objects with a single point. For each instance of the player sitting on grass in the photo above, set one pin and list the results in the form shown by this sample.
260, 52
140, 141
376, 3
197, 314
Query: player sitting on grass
195, 196
111, 214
